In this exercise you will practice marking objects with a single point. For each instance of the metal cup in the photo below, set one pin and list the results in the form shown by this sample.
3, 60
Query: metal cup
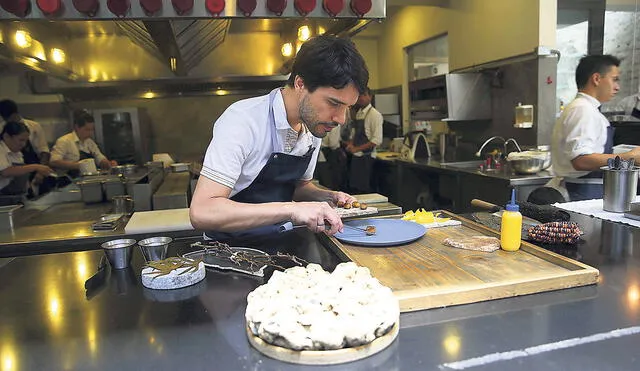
155, 248
620, 187
119, 252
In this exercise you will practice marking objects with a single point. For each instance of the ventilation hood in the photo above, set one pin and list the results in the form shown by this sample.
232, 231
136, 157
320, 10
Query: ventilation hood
147, 43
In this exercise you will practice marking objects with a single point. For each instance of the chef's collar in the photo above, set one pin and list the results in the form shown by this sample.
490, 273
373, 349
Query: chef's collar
366, 108
596, 103
5, 147
74, 135
279, 112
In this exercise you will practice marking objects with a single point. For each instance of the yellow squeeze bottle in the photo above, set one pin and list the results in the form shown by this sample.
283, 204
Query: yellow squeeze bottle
511, 225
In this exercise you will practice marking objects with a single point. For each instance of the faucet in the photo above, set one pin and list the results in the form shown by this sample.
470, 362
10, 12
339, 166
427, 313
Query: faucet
514, 142
479, 153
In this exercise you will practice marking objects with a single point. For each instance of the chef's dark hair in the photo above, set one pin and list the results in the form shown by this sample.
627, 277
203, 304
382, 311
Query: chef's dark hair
13, 128
329, 61
594, 64
8, 108
82, 117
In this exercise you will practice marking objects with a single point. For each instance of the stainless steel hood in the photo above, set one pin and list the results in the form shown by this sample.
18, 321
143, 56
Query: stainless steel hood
131, 42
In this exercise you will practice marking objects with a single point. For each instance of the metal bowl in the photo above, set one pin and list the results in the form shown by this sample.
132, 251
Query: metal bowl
527, 165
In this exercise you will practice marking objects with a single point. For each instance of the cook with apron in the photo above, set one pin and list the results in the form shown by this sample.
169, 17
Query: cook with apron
366, 135
278, 178
70, 149
14, 172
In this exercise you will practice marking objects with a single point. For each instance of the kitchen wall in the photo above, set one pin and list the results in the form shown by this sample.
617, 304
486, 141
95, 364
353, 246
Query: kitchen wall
179, 126
368, 47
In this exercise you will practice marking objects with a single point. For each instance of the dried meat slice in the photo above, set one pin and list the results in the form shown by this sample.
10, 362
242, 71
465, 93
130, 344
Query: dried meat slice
475, 243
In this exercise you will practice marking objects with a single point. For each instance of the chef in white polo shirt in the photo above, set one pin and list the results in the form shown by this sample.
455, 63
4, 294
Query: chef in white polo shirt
77, 145
258, 167
582, 139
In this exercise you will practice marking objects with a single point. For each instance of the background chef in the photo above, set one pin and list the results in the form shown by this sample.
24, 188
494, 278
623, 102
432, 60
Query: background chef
78, 145
366, 134
36, 150
14, 173
264, 150
582, 139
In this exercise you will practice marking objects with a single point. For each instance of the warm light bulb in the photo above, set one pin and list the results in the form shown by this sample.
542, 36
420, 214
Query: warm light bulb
287, 49
23, 39
304, 33
58, 56
149, 95
321, 30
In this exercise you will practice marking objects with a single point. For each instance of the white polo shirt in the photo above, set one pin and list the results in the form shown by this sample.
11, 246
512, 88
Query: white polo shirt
580, 130
68, 147
241, 142
8, 159
372, 126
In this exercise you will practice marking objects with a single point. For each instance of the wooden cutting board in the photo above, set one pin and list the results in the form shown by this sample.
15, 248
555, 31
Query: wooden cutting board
427, 274
159, 221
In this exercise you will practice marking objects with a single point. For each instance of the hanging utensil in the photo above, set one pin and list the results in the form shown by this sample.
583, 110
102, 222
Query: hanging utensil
616, 163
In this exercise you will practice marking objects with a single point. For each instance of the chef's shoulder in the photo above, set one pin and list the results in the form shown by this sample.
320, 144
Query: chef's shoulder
245, 116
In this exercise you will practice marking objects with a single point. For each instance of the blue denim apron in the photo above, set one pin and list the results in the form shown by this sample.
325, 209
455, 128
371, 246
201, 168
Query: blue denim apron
276, 182
590, 186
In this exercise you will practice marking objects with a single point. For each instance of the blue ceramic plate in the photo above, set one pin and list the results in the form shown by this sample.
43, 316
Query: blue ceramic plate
389, 232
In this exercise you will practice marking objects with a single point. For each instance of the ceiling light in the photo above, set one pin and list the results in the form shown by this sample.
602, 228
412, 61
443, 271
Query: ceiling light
321, 30
304, 33
287, 49
298, 47
149, 95
23, 39
173, 64
58, 56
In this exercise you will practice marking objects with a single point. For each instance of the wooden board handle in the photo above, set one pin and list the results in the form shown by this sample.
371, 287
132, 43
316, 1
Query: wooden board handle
484, 205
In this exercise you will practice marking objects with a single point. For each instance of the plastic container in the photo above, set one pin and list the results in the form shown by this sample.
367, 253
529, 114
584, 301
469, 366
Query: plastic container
511, 226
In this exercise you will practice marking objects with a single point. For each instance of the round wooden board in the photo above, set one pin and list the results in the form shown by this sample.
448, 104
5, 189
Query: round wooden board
324, 357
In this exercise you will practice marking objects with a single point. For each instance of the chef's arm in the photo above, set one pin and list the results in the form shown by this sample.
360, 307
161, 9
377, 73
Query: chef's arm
364, 147
307, 191
65, 165
595, 161
211, 209
18, 170
45, 157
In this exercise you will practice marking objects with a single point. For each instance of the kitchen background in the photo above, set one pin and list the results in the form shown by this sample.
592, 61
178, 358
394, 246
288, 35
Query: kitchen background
114, 66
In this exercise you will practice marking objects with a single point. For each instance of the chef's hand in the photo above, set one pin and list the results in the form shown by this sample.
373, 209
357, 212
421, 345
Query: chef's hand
316, 215
113, 163
351, 148
634, 153
42, 170
341, 196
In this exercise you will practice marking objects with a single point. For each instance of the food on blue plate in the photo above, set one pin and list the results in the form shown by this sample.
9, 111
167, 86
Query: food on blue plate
363, 206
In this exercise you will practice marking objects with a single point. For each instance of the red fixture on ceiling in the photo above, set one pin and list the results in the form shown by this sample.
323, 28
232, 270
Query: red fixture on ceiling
360, 7
182, 6
333, 7
19, 8
247, 6
304, 7
49, 7
151, 6
277, 6
88, 7
215, 7
119, 7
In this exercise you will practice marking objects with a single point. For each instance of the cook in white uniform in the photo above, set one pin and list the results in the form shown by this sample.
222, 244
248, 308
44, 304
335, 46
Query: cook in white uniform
582, 139
77, 145
36, 150
264, 150
14, 173
366, 135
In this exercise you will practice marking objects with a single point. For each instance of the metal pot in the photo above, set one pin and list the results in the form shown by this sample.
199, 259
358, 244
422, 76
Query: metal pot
530, 165
124, 169
122, 204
